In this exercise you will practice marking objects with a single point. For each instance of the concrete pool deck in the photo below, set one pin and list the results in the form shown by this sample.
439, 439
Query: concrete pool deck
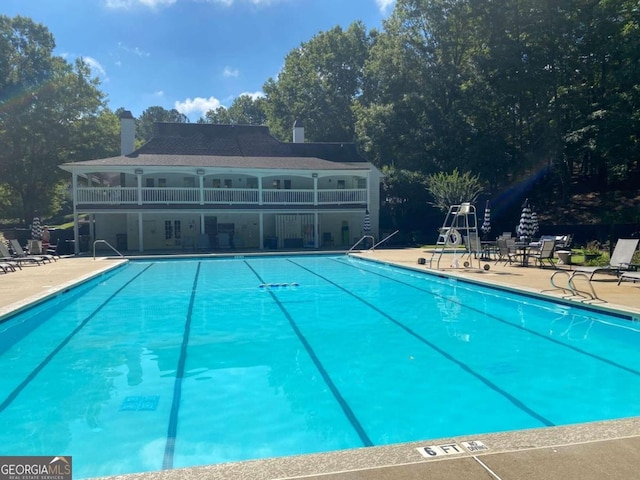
590, 451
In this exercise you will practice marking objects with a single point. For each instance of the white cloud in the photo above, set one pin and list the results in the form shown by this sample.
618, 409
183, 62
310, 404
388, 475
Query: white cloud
384, 5
96, 68
136, 51
253, 95
159, 94
230, 72
133, 3
197, 105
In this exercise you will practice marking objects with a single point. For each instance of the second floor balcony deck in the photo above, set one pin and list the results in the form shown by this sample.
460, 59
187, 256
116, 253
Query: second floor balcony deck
131, 196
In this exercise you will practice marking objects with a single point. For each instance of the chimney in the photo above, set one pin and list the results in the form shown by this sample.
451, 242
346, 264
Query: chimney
298, 132
127, 133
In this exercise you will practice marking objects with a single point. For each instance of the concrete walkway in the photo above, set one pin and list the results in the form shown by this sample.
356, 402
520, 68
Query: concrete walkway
592, 451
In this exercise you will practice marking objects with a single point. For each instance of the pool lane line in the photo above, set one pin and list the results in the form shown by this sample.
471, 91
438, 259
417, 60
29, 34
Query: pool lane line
172, 430
514, 400
506, 322
355, 423
34, 373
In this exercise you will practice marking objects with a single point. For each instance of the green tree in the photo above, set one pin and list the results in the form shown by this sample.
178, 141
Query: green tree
245, 110
145, 125
453, 188
44, 104
318, 84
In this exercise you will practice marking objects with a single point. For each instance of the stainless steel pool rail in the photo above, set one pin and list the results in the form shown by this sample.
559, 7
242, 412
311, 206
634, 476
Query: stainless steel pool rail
108, 245
571, 289
373, 241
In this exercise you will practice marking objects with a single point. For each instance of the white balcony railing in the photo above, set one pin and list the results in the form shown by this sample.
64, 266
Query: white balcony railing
213, 196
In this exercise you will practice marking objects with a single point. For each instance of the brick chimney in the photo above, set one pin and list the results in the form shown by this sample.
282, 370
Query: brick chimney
298, 132
127, 133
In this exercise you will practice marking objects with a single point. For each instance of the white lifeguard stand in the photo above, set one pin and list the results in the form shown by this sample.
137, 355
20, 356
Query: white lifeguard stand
459, 229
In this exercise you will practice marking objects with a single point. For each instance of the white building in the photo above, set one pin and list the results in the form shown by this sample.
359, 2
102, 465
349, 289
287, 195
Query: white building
207, 187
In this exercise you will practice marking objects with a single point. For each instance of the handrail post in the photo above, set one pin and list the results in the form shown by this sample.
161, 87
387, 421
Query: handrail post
106, 243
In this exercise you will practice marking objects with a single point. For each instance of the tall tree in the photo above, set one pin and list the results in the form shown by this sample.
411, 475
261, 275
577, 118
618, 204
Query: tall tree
318, 84
245, 110
44, 102
145, 125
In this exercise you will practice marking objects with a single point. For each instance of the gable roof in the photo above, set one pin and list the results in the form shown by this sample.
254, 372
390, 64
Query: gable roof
236, 146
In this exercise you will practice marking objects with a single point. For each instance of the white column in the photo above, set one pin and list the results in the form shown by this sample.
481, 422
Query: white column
201, 176
76, 231
316, 230
315, 188
140, 233
139, 175
261, 237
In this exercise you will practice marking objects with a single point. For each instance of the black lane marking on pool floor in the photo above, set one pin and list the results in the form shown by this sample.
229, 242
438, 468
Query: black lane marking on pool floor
501, 320
34, 373
364, 438
514, 400
172, 430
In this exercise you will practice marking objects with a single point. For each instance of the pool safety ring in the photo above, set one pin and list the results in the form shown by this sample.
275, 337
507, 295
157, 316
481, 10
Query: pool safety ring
453, 237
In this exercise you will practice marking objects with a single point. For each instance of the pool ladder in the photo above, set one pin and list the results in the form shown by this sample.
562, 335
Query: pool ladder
108, 245
571, 289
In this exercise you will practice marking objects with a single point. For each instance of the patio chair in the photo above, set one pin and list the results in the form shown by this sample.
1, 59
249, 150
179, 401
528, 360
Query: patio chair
21, 256
506, 251
544, 253
619, 262
633, 276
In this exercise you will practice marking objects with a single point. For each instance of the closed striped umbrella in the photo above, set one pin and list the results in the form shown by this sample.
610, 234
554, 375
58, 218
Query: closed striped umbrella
366, 227
525, 227
486, 224
36, 229
534, 221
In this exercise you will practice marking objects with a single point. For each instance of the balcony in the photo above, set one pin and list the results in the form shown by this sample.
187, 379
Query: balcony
129, 196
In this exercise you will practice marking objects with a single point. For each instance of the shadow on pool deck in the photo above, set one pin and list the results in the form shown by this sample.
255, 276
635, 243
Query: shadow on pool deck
591, 451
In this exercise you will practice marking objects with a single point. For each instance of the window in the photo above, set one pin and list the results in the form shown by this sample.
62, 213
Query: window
189, 182
177, 229
362, 183
276, 184
215, 183
341, 184
168, 230
227, 183
162, 182
287, 184
149, 182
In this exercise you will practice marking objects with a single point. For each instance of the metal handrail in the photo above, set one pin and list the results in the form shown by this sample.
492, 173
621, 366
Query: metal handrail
571, 287
384, 239
107, 244
373, 240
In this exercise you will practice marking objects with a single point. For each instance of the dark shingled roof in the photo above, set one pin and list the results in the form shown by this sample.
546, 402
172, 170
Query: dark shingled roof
239, 146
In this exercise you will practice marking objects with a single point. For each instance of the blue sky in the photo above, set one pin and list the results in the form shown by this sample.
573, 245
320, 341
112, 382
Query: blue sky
192, 55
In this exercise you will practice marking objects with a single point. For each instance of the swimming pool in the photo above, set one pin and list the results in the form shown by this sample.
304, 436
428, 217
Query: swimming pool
177, 363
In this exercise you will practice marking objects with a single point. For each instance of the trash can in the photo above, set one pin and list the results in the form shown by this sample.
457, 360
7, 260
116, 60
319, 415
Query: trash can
121, 242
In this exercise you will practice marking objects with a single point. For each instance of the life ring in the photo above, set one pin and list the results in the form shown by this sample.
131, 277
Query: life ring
453, 237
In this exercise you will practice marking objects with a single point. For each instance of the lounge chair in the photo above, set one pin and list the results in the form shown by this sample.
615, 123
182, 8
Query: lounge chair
633, 276
21, 256
6, 257
619, 262
7, 267
17, 248
544, 253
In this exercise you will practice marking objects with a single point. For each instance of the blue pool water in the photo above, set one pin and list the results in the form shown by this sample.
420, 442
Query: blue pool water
177, 363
